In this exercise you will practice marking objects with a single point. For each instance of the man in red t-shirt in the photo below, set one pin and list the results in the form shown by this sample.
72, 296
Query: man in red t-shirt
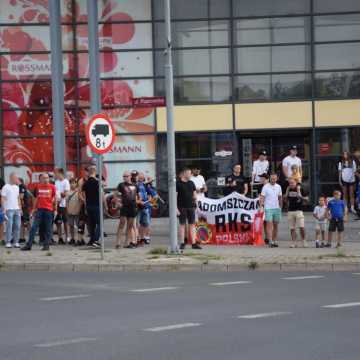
43, 213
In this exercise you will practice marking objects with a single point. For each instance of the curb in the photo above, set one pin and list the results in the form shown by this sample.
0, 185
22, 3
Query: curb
69, 267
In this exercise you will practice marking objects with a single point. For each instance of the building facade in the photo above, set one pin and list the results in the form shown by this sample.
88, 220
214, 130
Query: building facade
249, 75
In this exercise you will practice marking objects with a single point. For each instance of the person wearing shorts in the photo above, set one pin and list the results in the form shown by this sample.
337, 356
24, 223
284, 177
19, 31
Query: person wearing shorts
271, 201
186, 205
321, 223
294, 198
128, 191
337, 215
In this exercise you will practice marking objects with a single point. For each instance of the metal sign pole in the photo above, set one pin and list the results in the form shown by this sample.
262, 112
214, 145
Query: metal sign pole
169, 84
93, 44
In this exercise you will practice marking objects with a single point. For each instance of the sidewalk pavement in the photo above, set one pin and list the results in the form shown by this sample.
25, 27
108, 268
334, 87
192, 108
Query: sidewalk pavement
211, 258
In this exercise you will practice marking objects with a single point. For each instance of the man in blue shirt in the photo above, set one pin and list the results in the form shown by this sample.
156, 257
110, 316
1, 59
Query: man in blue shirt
337, 213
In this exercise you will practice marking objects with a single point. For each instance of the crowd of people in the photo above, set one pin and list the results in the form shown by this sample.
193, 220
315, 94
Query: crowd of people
72, 206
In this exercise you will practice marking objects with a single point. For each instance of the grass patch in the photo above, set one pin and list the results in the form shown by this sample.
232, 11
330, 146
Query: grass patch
154, 257
158, 251
253, 265
49, 253
202, 257
8, 252
339, 254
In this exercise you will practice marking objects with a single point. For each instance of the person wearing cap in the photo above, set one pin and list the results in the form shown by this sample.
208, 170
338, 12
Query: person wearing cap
260, 166
289, 163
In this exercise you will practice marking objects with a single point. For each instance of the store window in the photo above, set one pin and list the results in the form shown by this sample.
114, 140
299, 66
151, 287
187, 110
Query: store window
341, 84
272, 87
190, 9
244, 8
337, 56
337, 27
195, 33
196, 62
264, 59
272, 31
194, 90
336, 6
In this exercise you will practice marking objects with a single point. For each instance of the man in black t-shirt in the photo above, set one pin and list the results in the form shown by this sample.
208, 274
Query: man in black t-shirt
186, 205
236, 182
294, 197
128, 192
90, 193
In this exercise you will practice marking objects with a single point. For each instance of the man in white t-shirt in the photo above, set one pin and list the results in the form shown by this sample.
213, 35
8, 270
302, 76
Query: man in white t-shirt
199, 183
271, 201
291, 160
62, 188
11, 206
261, 166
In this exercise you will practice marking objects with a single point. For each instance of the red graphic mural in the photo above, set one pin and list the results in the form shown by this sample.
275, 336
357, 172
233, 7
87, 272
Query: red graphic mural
27, 99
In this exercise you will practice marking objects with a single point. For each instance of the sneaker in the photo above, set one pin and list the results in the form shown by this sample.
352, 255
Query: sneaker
317, 244
352, 209
17, 245
196, 246
22, 241
182, 246
26, 248
267, 241
147, 241
95, 245
72, 242
8, 246
61, 241
293, 246
274, 244
141, 242
130, 246
327, 245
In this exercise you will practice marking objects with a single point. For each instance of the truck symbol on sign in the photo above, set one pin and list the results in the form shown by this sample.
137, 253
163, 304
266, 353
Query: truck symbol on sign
100, 129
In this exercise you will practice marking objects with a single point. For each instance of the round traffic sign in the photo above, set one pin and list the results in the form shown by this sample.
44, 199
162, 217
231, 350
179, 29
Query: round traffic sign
100, 134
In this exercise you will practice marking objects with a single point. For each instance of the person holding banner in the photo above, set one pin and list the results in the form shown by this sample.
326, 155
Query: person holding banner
271, 201
186, 206
236, 182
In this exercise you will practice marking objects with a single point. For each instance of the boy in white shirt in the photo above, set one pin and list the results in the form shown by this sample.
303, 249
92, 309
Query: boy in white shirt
11, 206
199, 183
289, 161
321, 222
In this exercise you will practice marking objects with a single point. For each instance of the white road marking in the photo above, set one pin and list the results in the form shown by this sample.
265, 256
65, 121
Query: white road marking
172, 327
231, 283
303, 277
64, 342
264, 315
154, 289
339, 306
68, 297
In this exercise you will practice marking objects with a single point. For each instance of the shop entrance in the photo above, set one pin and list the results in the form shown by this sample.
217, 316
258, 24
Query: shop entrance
277, 145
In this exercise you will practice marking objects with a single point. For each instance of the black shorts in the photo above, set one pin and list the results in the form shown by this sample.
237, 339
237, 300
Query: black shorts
187, 214
128, 212
347, 184
336, 224
61, 216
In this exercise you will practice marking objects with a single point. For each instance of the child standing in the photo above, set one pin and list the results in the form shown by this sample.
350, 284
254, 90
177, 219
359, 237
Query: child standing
73, 210
337, 213
321, 222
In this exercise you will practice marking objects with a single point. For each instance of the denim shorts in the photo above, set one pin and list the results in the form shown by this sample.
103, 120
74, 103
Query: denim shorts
273, 215
144, 217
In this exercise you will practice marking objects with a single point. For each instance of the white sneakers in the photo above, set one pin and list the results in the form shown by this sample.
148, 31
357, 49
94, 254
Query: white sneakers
9, 246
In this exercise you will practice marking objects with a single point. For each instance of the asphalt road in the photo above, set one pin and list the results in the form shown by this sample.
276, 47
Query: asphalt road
173, 316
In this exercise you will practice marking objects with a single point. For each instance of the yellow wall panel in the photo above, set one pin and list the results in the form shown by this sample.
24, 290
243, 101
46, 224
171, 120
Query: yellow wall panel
273, 115
198, 118
337, 113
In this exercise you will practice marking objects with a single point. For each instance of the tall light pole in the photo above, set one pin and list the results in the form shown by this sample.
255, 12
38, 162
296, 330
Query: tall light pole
95, 99
57, 84
169, 85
